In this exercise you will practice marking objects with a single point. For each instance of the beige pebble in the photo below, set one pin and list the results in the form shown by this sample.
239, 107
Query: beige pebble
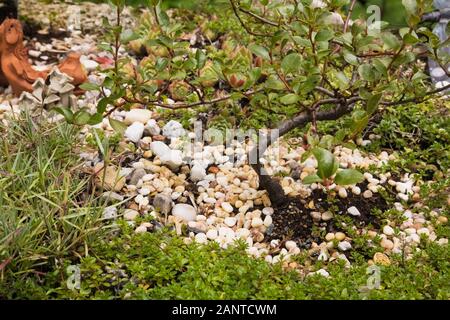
367, 194
326, 216
387, 244
329, 236
381, 258
443, 219
339, 236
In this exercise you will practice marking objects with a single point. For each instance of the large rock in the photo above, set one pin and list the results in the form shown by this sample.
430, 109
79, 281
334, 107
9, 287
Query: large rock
170, 158
173, 129
184, 211
152, 127
159, 148
109, 178
173, 159
138, 115
163, 203
135, 131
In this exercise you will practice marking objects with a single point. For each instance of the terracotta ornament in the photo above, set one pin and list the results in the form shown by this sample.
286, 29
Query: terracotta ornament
18, 72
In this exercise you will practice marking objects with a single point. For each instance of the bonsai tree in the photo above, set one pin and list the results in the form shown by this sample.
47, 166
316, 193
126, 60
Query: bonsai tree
303, 60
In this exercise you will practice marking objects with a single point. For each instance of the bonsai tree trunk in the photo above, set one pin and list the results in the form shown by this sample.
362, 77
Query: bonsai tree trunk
271, 185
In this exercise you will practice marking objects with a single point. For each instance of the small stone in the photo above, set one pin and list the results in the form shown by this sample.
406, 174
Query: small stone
356, 190
387, 244
130, 214
163, 203
184, 211
315, 215
212, 234
322, 272
197, 173
424, 231
173, 129
381, 258
268, 221
136, 176
339, 236
388, 230
354, 211
443, 219
213, 169
290, 245
329, 236
140, 229
342, 193
201, 238
257, 222
159, 148
152, 127
134, 132
137, 115
89, 65
34, 53
227, 207
327, 216
268, 211
344, 245
367, 194
230, 221
112, 197
110, 213
109, 178
173, 159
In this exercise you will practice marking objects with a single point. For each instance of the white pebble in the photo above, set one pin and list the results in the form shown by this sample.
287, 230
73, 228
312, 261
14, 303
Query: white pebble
201, 238
268, 211
227, 207
388, 230
290, 245
212, 234
354, 211
344, 245
230, 221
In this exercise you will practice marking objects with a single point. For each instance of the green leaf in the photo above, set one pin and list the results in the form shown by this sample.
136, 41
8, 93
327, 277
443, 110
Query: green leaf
410, 6
117, 125
290, 98
274, 84
372, 103
348, 176
200, 58
366, 71
291, 63
410, 39
327, 164
312, 178
360, 119
81, 117
350, 58
390, 41
324, 35
102, 104
66, 112
259, 51
128, 35
95, 119
88, 86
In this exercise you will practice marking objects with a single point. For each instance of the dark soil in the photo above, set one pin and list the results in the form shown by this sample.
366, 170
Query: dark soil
294, 221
